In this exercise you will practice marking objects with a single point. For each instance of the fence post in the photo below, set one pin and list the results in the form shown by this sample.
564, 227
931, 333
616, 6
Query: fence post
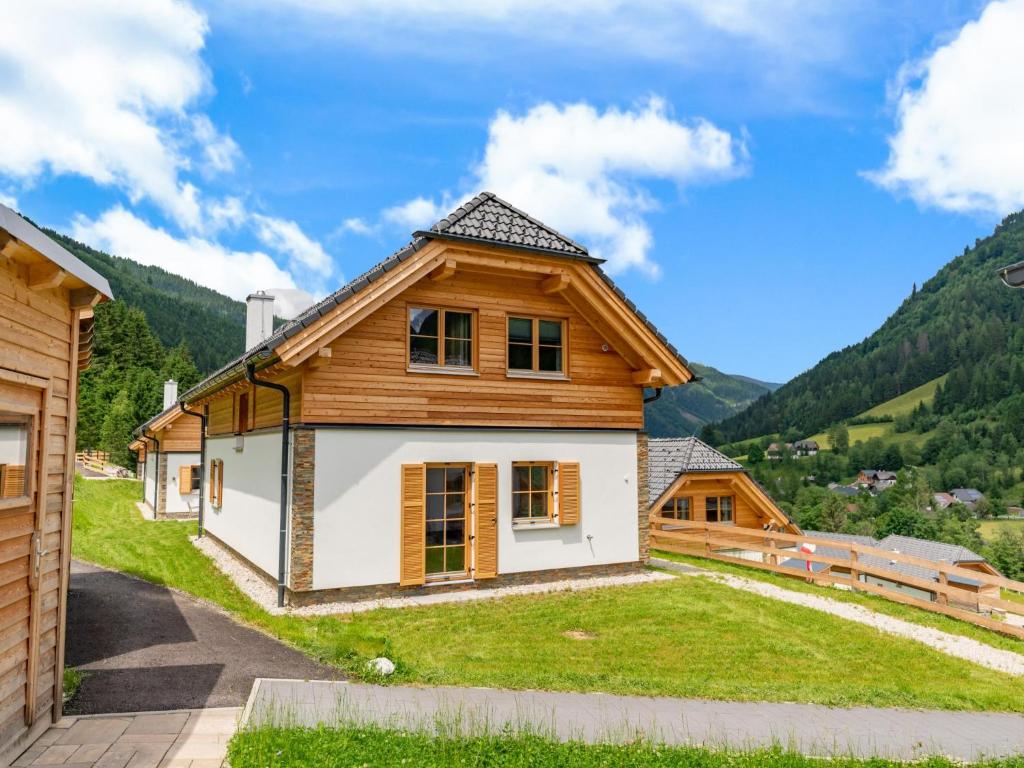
943, 582
854, 573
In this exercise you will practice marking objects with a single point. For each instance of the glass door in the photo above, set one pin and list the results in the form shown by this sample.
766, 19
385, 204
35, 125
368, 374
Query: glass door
446, 529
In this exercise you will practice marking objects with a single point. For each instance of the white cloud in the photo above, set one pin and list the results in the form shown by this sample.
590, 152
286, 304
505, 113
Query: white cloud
285, 237
233, 273
357, 226
582, 171
104, 89
417, 213
959, 120
9, 200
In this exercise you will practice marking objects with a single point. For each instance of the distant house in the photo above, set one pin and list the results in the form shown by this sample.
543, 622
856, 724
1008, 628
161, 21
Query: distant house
969, 497
775, 451
805, 447
943, 500
937, 551
876, 480
844, 490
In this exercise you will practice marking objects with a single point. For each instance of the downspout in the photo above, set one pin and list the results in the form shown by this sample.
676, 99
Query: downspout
652, 398
286, 397
202, 462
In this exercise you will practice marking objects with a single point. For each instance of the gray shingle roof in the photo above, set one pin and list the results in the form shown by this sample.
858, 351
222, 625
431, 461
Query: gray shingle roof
485, 218
490, 219
669, 457
930, 550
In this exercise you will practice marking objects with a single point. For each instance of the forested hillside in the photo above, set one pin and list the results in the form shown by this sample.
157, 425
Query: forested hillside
178, 310
963, 321
684, 410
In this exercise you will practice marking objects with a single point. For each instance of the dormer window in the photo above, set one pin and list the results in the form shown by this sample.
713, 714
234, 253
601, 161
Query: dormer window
536, 345
440, 338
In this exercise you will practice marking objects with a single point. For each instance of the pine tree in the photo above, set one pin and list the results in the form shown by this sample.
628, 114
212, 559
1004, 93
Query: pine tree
116, 432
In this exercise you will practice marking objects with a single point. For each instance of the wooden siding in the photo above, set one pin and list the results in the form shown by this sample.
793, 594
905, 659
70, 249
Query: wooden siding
365, 380
748, 510
264, 405
182, 434
38, 338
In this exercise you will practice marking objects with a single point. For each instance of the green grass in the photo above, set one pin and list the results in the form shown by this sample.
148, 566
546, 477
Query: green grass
370, 747
684, 637
908, 401
874, 602
72, 682
990, 529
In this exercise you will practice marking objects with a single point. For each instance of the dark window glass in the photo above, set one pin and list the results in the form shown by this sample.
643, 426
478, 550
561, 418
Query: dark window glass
423, 322
549, 359
422, 350
520, 329
435, 534
14, 457
535, 345
197, 480
520, 357
435, 506
435, 480
428, 345
550, 332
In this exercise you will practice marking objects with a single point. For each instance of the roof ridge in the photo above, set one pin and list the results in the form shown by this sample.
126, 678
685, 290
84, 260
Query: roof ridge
462, 211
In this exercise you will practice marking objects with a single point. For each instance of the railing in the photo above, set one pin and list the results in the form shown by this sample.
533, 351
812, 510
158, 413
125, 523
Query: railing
765, 550
94, 460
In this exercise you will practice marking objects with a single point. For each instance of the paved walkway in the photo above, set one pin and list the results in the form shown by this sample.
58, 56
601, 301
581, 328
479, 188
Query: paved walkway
144, 647
182, 739
811, 729
953, 645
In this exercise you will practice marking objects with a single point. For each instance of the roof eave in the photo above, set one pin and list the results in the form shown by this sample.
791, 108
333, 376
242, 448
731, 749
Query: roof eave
429, 234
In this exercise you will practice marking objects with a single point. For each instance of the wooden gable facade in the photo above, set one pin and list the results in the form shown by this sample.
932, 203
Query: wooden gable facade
46, 315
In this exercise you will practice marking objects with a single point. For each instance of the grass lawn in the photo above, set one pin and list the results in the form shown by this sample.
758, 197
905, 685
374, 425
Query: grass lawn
874, 602
686, 637
908, 401
370, 747
990, 529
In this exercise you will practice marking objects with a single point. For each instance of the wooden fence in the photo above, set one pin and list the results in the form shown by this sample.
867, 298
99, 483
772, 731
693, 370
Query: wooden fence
94, 460
766, 550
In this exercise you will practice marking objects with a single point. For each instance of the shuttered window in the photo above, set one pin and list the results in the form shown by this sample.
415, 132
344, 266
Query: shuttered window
486, 539
185, 479
216, 482
568, 493
412, 566
532, 492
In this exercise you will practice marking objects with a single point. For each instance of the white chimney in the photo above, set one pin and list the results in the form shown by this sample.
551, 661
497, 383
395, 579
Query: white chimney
170, 393
259, 318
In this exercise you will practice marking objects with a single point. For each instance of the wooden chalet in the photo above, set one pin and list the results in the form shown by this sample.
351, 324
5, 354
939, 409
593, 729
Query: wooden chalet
47, 298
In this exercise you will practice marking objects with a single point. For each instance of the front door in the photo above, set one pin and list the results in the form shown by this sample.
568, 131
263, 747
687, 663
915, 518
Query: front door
23, 404
447, 532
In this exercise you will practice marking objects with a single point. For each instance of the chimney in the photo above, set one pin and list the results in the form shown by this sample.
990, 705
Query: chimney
170, 393
259, 318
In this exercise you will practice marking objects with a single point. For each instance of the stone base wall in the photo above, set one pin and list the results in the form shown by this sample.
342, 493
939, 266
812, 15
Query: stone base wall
161, 485
379, 591
300, 576
642, 501
177, 515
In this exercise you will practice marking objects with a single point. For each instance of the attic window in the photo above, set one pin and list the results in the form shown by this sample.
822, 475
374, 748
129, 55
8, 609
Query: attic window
440, 337
718, 509
536, 345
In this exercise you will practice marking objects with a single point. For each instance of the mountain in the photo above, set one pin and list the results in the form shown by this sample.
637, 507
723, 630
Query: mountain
963, 322
177, 309
684, 410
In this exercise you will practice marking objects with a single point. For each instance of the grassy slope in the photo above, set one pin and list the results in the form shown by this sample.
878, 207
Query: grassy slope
990, 528
371, 747
898, 406
687, 637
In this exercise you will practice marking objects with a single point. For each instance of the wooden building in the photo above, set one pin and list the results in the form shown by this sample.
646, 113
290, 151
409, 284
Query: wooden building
169, 450
467, 413
691, 481
47, 298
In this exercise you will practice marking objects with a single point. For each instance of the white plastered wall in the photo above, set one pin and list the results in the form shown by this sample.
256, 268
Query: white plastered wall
176, 500
149, 481
358, 486
248, 519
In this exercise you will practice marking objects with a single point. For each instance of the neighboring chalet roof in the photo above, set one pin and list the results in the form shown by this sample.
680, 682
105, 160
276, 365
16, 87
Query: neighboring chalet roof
796, 562
805, 444
844, 490
669, 457
486, 219
930, 550
967, 495
161, 420
27, 233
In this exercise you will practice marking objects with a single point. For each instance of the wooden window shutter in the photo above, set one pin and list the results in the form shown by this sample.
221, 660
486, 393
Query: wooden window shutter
486, 532
185, 479
568, 492
412, 568
213, 481
220, 482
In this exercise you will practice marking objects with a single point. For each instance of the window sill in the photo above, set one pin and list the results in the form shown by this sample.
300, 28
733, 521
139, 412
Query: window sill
524, 526
537, 375
441, 370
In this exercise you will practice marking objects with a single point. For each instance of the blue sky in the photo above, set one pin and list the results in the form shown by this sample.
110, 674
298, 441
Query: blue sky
767, 182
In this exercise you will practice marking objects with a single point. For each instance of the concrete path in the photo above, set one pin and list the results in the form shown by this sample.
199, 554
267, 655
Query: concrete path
144, 647
814, 730
182, 739
953, 645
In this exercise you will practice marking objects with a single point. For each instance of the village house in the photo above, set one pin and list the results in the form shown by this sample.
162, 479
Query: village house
691, 481
776, 451
969, 497
47, 298
876, 480
943, 500
805, 448
170, 462
468, 413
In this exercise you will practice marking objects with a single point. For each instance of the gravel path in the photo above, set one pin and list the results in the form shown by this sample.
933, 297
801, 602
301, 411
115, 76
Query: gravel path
266, 596
953, 645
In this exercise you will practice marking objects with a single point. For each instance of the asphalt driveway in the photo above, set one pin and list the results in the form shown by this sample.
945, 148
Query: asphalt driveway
145, 647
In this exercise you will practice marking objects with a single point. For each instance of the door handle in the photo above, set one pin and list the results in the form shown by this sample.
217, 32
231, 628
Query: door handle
38, 553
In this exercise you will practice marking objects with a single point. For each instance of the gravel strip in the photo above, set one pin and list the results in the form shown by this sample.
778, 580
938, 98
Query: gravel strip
953, 645
266, 596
